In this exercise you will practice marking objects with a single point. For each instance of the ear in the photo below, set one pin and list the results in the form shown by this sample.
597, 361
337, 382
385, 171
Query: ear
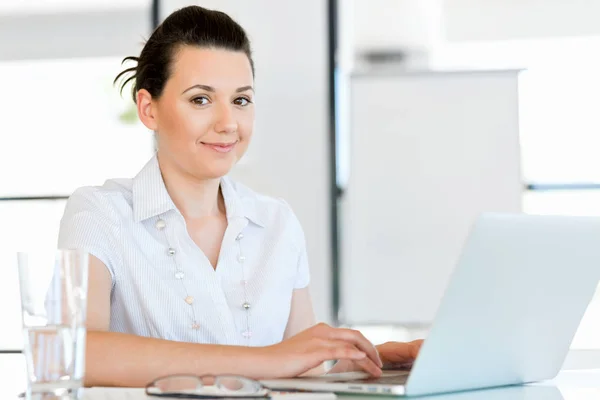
145, 109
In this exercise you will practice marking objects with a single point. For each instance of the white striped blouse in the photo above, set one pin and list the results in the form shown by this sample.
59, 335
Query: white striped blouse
163, 285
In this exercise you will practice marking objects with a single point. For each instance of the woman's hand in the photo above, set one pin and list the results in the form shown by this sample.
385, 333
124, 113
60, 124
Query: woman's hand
398, 355
394, 355
313, 346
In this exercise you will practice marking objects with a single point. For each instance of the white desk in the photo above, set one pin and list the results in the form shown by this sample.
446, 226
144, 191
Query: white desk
568, 385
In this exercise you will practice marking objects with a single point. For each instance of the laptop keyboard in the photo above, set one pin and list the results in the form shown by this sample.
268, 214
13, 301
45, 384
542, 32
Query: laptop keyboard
392, 379
388, 378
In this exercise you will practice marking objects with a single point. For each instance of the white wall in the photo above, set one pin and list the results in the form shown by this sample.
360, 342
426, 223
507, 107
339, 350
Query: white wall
423, 24
78, 33
289, 155
388, 24
451, 151
467, 20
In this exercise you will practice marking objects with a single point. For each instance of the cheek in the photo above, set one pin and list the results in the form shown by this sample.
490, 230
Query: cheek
246, 125
183, 122
245, 131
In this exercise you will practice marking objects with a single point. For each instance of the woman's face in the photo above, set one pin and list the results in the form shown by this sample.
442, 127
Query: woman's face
205, 115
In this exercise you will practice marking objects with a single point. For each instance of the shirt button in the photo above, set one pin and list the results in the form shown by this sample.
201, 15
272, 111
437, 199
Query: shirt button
246, 306
247, 334
240, 236
160, 224
179, 275
189, 300
171, 251
241, 259
195, 326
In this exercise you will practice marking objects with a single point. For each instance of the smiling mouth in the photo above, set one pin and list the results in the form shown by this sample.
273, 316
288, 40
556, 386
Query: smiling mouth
220, 147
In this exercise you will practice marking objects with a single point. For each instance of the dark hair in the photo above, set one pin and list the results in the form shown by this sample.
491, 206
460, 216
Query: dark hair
193, 26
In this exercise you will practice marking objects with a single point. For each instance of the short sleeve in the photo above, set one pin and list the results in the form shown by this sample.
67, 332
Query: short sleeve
89, 223
303, 272
302, 268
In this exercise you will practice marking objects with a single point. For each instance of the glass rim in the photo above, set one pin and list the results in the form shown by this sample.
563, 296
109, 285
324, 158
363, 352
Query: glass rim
51, 250
49, 254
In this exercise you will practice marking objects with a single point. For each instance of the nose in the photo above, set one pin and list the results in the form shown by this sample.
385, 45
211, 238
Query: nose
225, 121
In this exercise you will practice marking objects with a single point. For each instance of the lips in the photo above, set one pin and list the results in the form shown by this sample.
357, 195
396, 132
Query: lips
220, 147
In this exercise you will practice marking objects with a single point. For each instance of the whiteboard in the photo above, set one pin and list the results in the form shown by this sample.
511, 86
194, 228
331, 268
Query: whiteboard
428, 152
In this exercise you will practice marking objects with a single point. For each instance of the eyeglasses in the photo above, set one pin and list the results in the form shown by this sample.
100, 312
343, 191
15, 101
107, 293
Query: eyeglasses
206, 387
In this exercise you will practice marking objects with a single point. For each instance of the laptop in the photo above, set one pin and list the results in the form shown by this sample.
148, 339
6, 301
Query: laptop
508, 314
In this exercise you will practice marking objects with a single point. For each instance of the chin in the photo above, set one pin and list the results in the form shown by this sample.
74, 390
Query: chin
216, 171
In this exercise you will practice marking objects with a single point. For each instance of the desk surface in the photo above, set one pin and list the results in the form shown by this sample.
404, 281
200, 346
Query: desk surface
568, 385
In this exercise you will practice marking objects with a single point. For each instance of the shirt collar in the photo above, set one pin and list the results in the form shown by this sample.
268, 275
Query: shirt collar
150, 197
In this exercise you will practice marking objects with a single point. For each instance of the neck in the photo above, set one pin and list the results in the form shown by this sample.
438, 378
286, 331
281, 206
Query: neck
193, 197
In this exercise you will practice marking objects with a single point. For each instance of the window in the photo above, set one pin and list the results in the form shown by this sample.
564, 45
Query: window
71, 127
65, 124
559, 124
27, 224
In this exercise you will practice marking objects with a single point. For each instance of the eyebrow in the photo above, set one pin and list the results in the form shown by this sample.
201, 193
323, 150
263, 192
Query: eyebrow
212, 89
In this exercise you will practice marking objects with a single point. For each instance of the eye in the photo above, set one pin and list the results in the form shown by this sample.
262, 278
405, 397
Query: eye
200, 100
242, 101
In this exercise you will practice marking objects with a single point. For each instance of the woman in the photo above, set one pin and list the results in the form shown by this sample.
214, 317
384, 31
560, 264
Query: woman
192, 272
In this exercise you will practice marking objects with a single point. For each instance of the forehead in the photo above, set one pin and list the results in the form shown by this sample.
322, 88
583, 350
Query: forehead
219, 68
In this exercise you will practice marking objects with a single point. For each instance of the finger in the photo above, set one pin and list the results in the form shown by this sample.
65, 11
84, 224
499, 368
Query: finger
367, 365
339, 350
398, 352
332, 343
416, 347
357, 339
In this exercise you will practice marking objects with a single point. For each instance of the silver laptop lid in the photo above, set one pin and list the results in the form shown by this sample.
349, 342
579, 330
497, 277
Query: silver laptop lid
513, 304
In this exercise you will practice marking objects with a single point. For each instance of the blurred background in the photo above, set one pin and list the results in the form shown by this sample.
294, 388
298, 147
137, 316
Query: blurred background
388, 125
